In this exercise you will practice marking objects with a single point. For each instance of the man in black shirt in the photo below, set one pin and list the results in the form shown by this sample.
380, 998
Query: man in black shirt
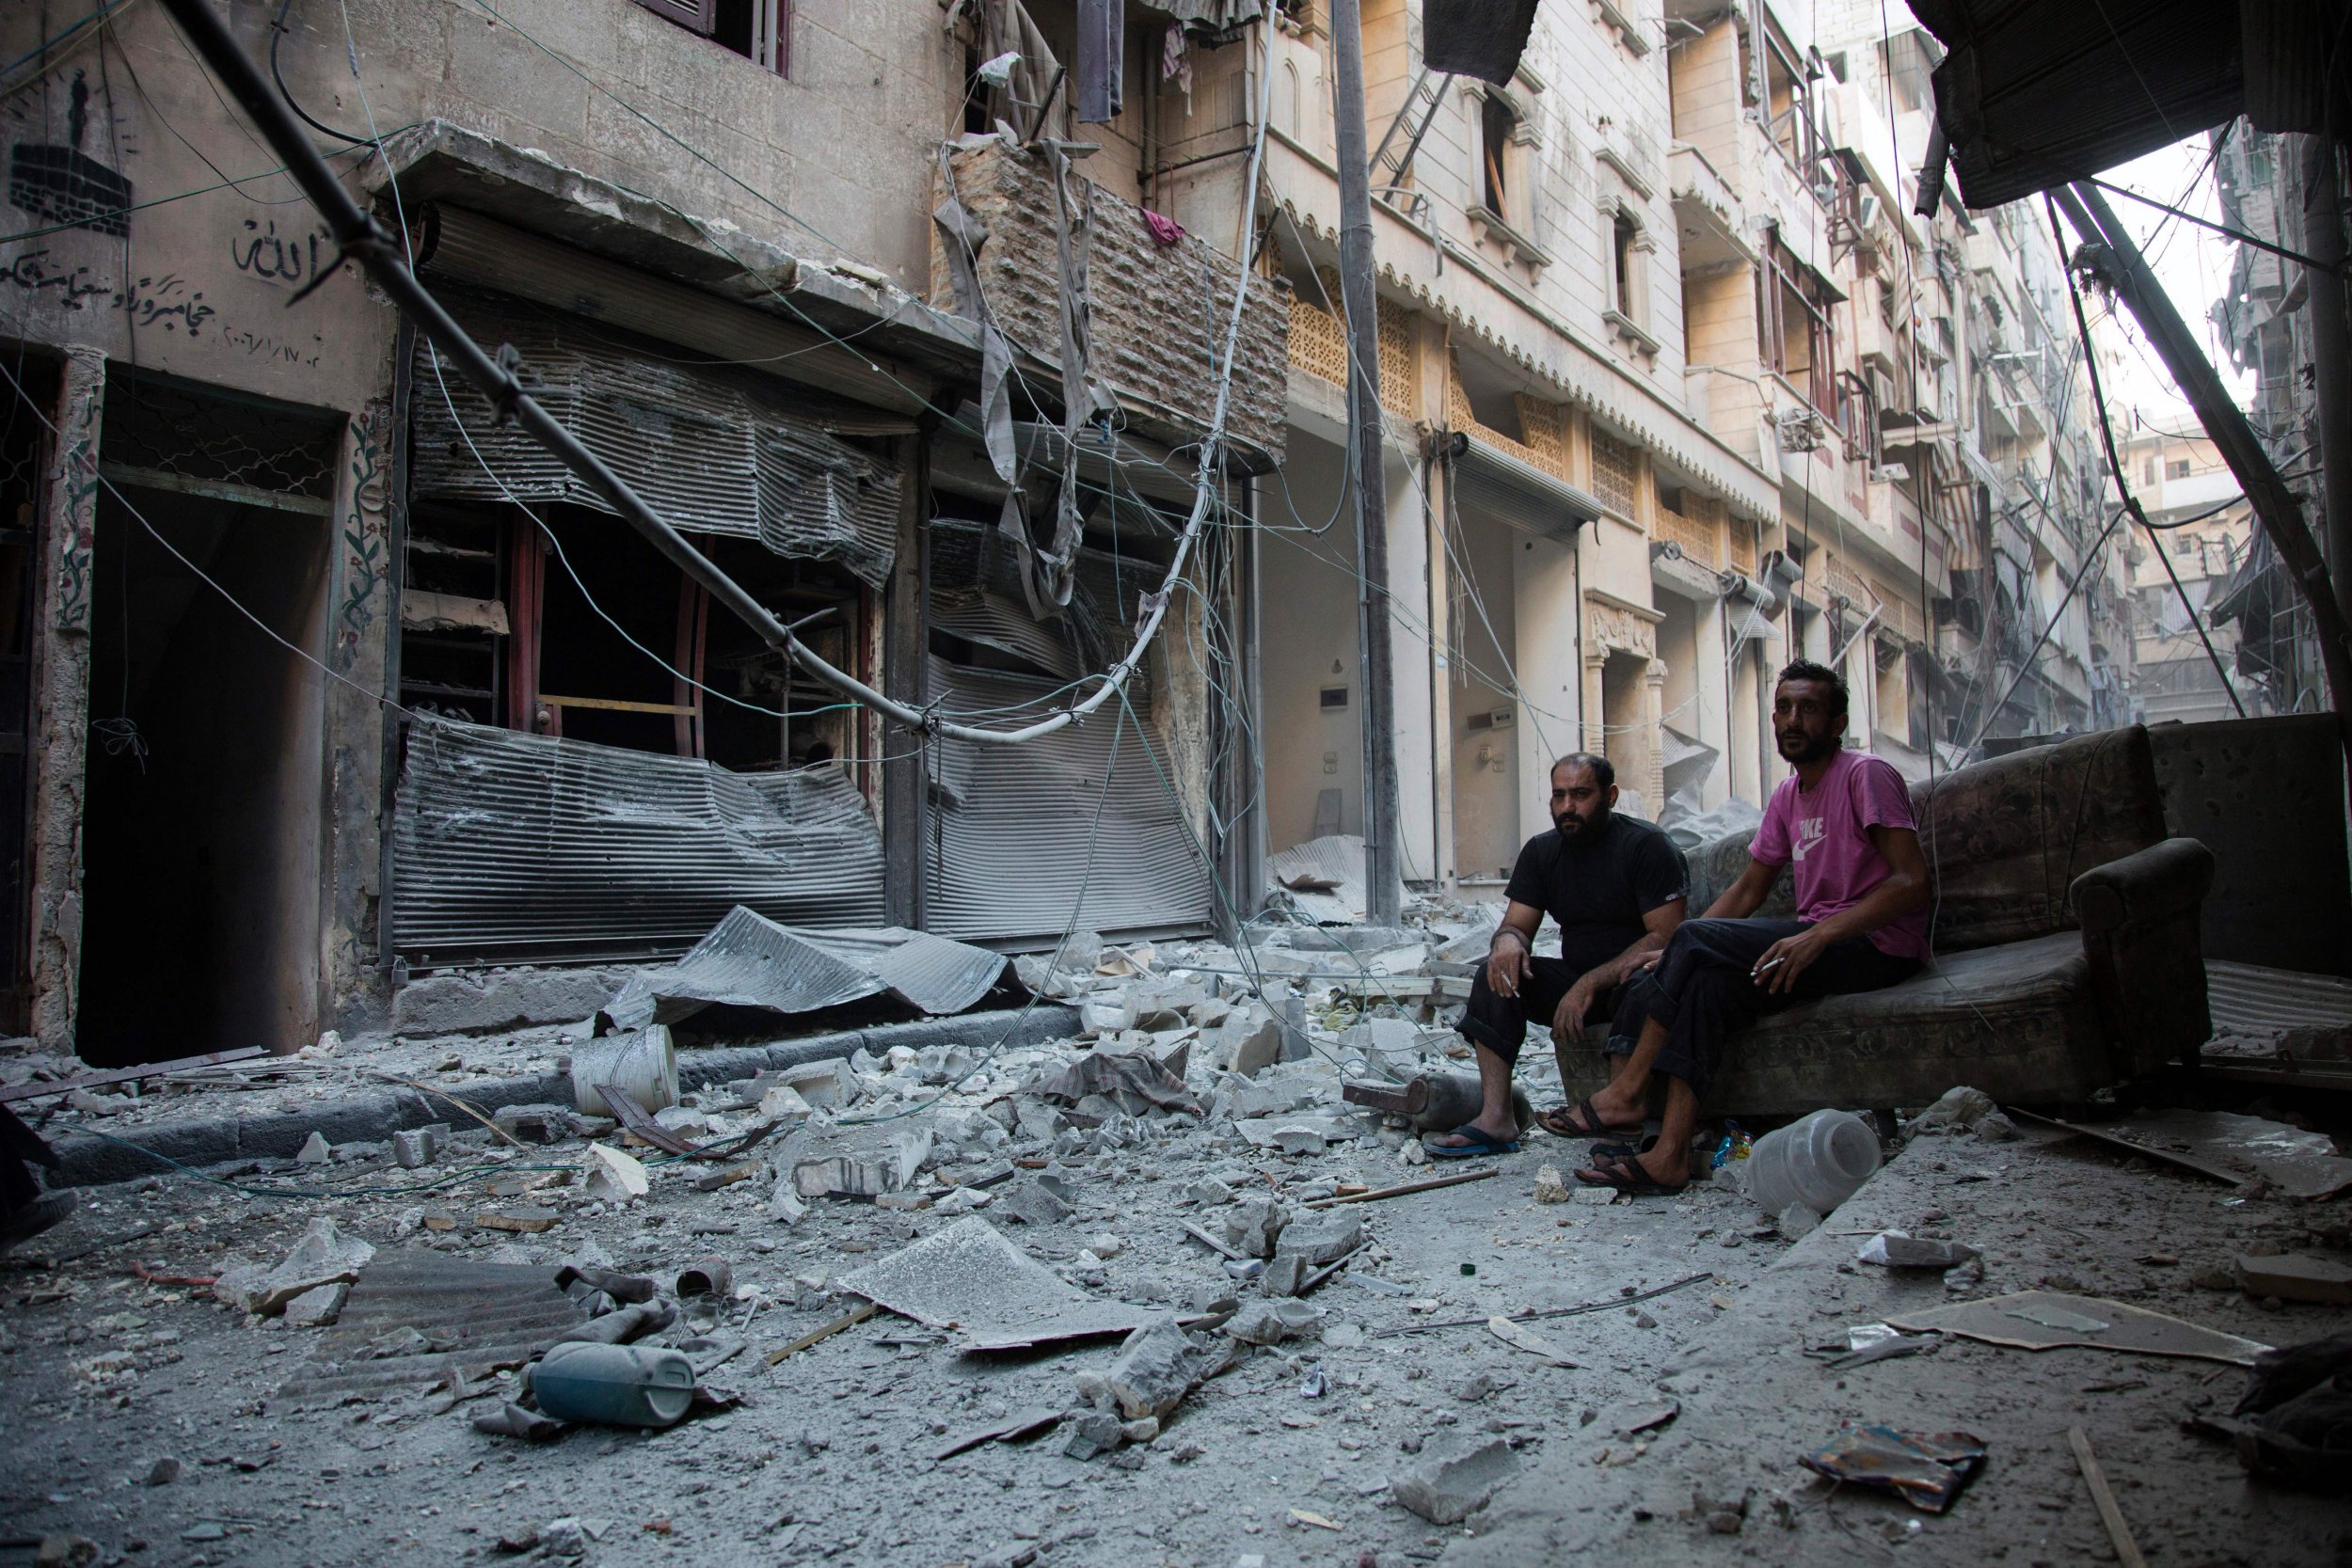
1615, 887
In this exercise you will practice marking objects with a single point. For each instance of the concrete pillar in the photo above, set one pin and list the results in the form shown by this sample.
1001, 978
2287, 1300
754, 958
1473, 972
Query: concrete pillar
363, 616
1444, 857
1412, 701
66, 551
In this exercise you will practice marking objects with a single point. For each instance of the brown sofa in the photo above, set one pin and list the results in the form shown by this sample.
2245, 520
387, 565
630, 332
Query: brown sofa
2067, 957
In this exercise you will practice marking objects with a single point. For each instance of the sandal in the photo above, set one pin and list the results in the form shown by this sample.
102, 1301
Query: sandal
1482, 1143
1555, 1121
1624, 1175
1613, 1149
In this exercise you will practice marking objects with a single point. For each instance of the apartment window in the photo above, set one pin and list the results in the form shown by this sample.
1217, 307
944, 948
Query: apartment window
1788, 105
2184, 544
1793, 327
2148, 472
1498, 128
758, 30
1625, 232
2177, 469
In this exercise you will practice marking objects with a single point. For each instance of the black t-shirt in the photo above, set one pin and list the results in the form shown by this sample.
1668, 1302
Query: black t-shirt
1598, 888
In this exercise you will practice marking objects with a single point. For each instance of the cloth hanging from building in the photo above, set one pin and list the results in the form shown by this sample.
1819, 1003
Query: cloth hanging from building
1024, 103
712, 451
1101, 59
1213, 21
524, 848
1476, 38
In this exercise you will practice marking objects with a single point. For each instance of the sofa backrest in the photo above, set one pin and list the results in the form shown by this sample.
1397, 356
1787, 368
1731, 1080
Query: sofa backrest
2005, 838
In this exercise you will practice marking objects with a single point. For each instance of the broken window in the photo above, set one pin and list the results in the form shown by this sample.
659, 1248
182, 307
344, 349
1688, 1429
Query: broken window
1625, 243
1793, 331
1788, 103
758, 30
1497, 125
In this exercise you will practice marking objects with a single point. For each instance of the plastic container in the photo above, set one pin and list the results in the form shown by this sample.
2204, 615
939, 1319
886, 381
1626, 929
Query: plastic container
616, 1385
1817, 1161
642, 1065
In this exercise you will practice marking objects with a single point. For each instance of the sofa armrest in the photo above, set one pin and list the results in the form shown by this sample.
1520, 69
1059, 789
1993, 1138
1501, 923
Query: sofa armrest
2140, 917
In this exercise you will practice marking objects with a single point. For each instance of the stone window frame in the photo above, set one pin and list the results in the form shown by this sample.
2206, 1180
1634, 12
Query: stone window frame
1513, 228
769, 44
1627, 246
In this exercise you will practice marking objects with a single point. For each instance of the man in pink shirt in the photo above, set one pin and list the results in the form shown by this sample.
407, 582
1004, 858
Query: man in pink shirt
1844, 822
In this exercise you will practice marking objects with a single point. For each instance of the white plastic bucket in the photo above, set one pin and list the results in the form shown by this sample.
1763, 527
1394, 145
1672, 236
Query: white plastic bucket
642, 1065
1818, 1161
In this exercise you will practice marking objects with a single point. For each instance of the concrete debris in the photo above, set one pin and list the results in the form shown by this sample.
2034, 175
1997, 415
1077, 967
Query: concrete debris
1898, 1250
1268, 1321
318, 1306
314, 1151
1550, 1186
1322, 1238
1448, 1488
2296, 1277
1253, 1223
614, 1177
1132, 1082
323, 1256
1034, 1203
419, 1147
1156, 1367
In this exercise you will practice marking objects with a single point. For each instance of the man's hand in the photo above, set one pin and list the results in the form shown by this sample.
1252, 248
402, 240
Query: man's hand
1777, 970
1567, 1023
1507, 962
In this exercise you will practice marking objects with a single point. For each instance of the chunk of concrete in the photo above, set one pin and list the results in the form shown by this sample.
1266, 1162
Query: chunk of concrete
323, 1256
1156, 1367
1097, 1432
317, 1308
1265, 1322
1033, 1203
1323, 1237
1446, 1489
417, 1147
2296, 1277
1258, 1050
1253, 1225
1550, 1186
614, 1177
829, 1084
314, 1151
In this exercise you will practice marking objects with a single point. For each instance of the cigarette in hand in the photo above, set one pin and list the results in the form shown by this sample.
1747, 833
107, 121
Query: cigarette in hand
1766, 966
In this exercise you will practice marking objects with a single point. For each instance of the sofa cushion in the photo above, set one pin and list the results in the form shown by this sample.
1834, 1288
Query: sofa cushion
2017, 1020
2004, 838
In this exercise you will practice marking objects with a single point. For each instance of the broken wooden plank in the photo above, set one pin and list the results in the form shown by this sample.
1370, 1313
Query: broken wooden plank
1036, 1419
420, 610
124, 1075
1521, 1338
1379, 1193
850, 1319
1211, 1241
2101, 1494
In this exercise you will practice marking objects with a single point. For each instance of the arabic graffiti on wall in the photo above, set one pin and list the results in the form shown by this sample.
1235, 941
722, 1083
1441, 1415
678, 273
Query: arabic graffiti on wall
363, 558
260, 251
166, 301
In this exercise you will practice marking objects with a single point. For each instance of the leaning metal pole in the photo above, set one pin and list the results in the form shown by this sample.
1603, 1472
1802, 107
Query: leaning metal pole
1382, 868
2275, 505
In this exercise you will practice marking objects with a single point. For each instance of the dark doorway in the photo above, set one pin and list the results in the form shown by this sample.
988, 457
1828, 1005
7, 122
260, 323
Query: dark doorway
201, 824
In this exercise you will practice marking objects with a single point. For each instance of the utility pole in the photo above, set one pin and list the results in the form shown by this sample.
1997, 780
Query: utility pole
2331, 353
1382, 867
2276, 505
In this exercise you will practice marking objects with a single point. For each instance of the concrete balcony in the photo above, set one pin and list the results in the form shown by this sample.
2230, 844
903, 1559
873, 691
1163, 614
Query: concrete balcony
1710, 219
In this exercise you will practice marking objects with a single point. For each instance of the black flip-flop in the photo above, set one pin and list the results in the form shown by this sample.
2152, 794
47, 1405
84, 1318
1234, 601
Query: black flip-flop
1613, 1150
1484, 1143
1594, 1127
1625, 1176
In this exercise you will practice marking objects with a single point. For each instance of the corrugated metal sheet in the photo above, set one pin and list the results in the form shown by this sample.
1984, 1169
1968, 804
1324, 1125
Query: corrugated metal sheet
711, 453
511, 848
2252, 999
1012, 826
1500, 485
749, 960
474, 1316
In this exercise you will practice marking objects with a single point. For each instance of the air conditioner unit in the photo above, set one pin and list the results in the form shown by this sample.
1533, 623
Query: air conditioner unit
1868, 210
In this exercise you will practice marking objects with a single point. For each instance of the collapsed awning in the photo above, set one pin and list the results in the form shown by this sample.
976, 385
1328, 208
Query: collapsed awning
749, 960
523, 848
713, 450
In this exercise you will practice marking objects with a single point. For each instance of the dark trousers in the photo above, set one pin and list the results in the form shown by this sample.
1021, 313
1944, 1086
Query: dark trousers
1701, 990
1499, 1023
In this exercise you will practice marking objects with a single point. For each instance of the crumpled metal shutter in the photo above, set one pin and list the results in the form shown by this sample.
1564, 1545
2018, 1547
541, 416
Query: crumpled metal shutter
512, 847
711, 453
1011, 825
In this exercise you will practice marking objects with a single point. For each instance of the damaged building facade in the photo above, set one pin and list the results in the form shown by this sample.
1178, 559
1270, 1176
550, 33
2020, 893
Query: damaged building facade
331, 685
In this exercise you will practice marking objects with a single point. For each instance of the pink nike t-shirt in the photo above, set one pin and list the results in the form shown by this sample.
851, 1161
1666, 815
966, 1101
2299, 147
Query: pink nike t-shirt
1823, 832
